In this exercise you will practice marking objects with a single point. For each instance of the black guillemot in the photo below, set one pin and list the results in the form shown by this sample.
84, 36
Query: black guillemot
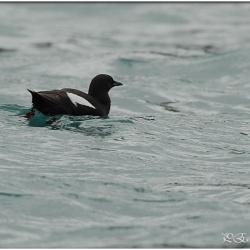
74, 102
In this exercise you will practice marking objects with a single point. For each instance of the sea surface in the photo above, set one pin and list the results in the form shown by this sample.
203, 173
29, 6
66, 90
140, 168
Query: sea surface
169, 167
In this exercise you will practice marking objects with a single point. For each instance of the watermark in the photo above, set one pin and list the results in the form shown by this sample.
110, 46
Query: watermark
237, 238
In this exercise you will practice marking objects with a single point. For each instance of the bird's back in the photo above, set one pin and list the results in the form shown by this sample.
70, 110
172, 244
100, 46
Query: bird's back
66, 102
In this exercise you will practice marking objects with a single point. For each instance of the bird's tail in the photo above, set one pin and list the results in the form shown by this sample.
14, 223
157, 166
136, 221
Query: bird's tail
37, 99
32, 111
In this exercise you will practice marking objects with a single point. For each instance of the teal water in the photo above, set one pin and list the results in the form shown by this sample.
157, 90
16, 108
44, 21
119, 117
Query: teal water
170, 165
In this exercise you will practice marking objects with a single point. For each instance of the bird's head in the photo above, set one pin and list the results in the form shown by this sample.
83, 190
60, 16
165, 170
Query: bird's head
102, 83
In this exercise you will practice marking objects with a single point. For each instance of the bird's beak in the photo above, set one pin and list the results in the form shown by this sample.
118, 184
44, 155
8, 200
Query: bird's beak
117, 83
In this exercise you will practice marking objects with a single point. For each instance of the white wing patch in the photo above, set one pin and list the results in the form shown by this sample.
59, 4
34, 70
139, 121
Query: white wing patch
76, 99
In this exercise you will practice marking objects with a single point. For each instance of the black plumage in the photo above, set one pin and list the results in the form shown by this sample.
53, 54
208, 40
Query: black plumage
69, 101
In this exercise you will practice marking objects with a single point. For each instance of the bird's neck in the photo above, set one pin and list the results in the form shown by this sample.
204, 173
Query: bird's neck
106, 102
104, 99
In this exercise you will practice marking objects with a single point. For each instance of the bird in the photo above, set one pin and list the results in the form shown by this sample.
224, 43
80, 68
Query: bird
68, 101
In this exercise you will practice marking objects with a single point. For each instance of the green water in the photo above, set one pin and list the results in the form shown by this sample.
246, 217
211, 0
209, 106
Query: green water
169, 167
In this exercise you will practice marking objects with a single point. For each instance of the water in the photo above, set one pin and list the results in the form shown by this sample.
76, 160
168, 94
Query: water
168, 168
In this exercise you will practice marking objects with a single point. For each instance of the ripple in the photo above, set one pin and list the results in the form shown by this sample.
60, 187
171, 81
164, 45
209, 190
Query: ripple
166, 105
17, 109
43, 45
6, 50
14, 195
15, 237
158, 201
